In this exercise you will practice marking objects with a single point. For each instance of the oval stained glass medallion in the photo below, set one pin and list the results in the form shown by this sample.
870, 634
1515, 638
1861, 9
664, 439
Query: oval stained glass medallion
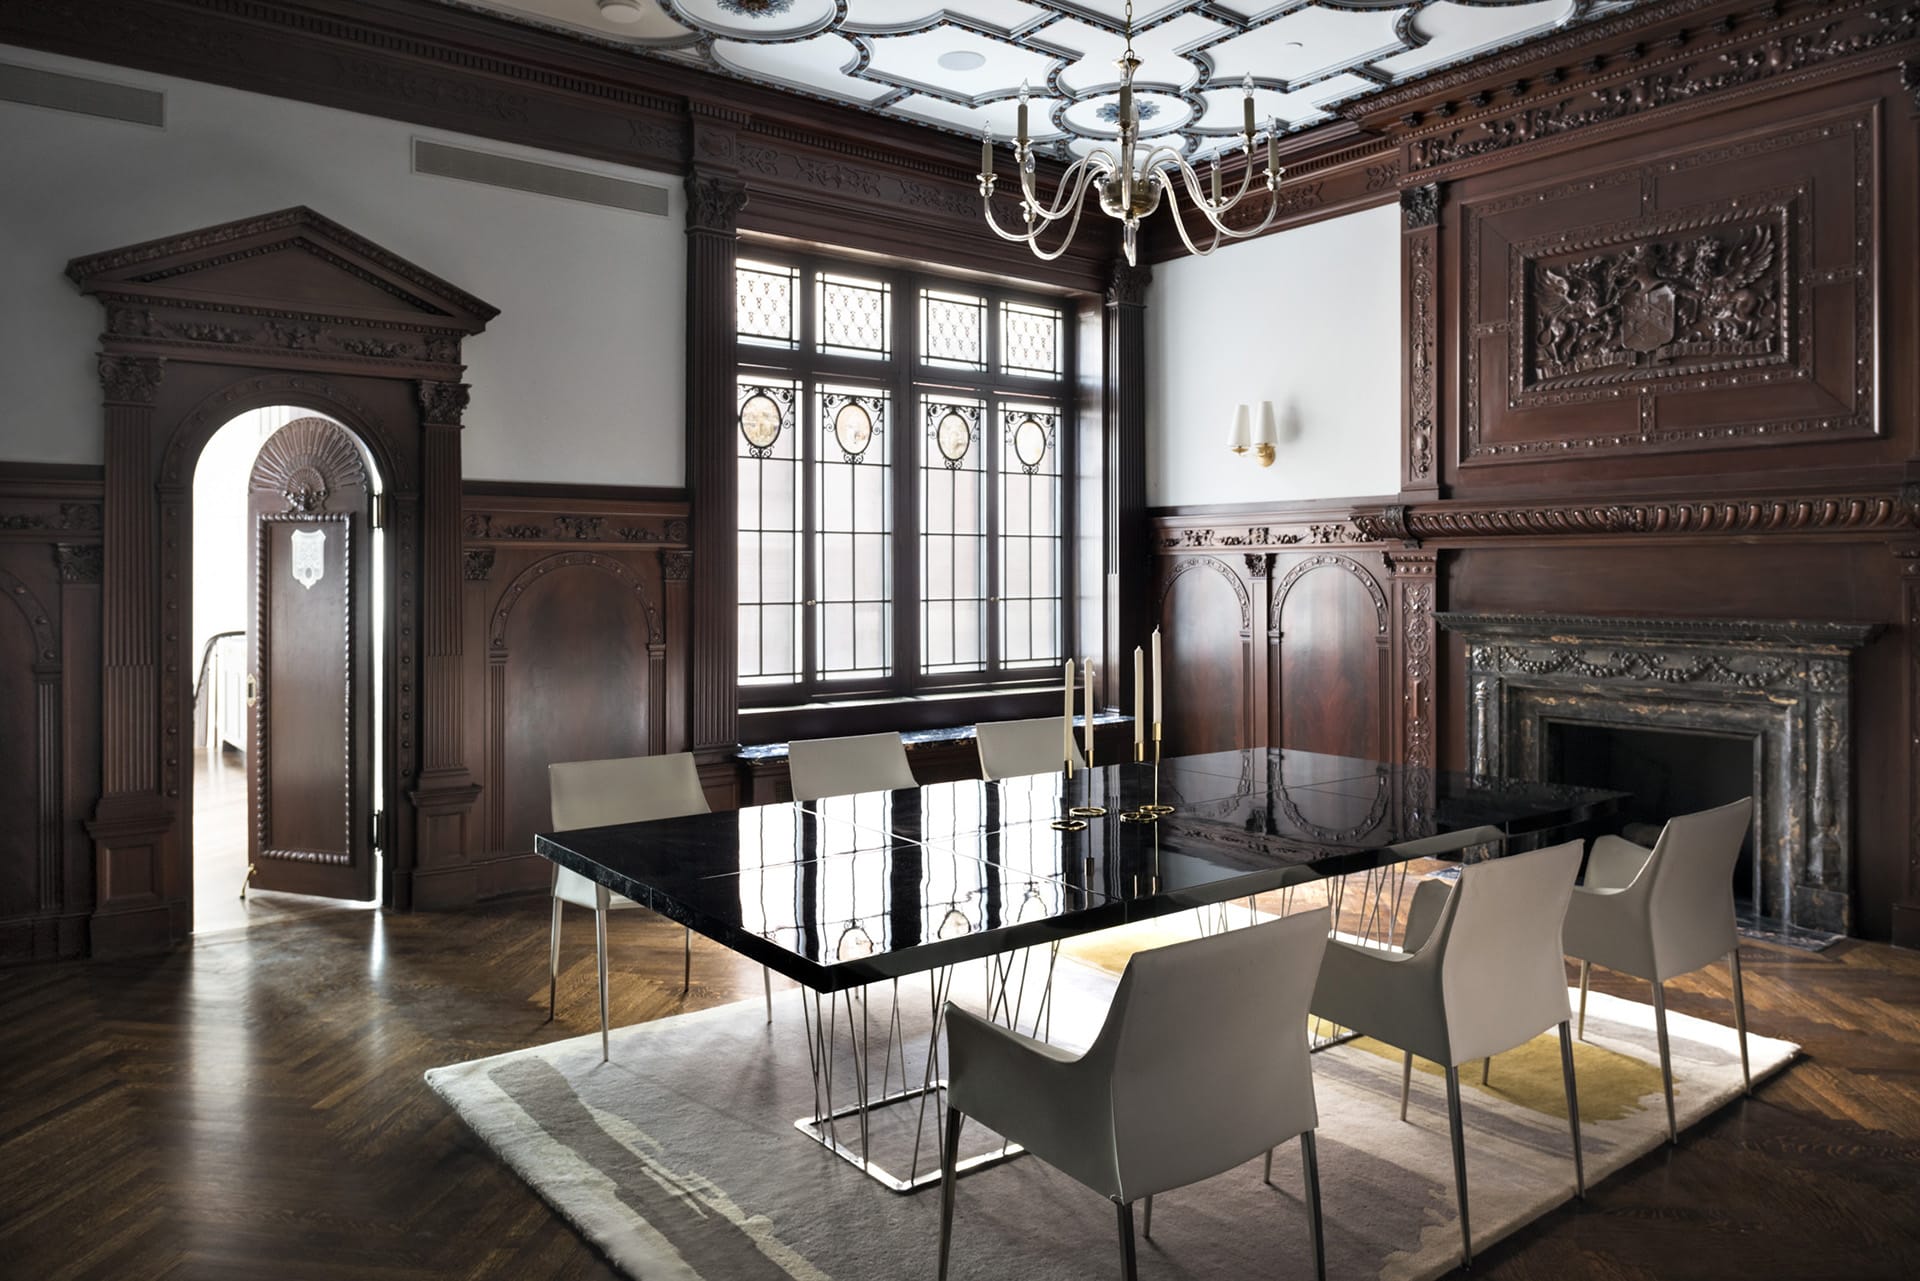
853, 428
1029, 442
953, 434
760, 420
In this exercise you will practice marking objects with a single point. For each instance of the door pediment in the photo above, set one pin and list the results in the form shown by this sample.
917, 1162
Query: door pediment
291, 282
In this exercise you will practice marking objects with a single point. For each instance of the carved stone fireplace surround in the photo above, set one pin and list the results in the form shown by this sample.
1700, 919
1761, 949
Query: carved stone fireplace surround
1787, 686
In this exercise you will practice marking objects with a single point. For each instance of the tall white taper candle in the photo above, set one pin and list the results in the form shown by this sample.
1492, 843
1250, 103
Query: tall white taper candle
1087, 733
1139, 700
1066, 722
1158, 688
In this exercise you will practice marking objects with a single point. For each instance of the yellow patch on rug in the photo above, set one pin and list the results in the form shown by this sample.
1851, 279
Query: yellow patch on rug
1110, 950
1611, 1085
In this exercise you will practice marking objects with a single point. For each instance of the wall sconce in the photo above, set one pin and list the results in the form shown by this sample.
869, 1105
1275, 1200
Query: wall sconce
1241, 437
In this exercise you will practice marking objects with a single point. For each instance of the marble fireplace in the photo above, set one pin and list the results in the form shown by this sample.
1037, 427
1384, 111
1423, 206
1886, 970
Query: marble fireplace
1769, 698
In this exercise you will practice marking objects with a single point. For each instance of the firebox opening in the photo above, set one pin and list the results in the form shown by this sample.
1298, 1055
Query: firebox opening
1666, 772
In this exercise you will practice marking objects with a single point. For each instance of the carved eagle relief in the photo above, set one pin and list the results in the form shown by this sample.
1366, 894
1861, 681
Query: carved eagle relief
1658, 305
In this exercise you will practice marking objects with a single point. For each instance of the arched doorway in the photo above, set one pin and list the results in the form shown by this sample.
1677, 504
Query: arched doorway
284, 309
286, 603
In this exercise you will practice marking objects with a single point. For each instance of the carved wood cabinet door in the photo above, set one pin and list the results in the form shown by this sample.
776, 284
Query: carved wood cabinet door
310, 734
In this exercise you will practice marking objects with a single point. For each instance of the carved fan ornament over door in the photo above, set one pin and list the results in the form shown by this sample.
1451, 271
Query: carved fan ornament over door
309, 775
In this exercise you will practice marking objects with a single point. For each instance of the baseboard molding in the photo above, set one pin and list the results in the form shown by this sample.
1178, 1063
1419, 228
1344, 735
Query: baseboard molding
439, 889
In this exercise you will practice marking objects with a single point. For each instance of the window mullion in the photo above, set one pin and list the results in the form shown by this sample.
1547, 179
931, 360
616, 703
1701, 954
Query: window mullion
905, 584
810, 488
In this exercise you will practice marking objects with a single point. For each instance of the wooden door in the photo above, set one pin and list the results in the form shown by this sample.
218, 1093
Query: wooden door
310, 736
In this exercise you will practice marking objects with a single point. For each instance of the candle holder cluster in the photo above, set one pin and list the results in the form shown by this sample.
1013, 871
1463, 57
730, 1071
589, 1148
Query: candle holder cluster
1076, 817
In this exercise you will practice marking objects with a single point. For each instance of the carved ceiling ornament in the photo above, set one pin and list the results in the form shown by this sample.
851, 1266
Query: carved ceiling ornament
307, 462
1670, 296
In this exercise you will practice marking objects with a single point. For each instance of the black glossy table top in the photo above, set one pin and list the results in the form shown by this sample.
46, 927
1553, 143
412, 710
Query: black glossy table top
841, 892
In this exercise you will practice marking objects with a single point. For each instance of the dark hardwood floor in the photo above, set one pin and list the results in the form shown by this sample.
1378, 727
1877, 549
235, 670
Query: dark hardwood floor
251, 1107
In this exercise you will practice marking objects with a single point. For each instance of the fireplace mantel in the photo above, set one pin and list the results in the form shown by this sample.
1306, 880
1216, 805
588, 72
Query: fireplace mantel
1785, 684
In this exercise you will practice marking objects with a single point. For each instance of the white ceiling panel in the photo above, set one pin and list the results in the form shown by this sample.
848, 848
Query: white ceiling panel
958, 64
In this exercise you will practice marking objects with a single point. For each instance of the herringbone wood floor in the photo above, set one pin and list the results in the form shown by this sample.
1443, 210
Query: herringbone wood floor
251, 1107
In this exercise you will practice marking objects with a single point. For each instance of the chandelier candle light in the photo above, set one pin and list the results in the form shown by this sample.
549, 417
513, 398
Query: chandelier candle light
1130, 178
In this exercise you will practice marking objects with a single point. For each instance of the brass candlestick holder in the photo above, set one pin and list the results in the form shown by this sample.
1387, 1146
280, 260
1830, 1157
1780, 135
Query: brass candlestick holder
1075, 819
1153, 811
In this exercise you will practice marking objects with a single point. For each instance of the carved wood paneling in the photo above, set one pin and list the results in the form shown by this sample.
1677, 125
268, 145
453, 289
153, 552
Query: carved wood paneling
574, 648
1721, 298
1777, 515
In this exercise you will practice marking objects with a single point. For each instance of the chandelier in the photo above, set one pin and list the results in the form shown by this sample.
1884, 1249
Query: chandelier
1130, 179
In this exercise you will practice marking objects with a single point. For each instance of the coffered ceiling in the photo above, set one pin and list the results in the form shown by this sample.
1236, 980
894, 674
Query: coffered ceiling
959, 64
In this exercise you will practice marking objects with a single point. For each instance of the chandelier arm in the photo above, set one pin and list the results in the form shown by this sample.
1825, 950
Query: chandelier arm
1031, 236
1180, 225
1033, 240
1077, 176
1212, 209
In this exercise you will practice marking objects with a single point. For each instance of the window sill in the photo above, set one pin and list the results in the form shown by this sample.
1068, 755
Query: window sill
926, 718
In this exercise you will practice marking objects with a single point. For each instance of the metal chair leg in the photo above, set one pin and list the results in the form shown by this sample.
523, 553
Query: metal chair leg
1146, 1226
1740, 1018
601, 900
1459, 1163
1266, 1175
1573, 1110
948, 1158
1129, 1267
766, 985
686, 963
1586, 968
1486, 1070
1406, 1084
1310, 1162
553, 958
1666, 1057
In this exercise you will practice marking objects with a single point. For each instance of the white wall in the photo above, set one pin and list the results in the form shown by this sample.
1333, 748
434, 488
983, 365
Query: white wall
1308, 319
579, 379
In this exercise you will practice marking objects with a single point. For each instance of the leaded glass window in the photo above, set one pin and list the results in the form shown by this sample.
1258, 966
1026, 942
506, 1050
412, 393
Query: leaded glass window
902, 518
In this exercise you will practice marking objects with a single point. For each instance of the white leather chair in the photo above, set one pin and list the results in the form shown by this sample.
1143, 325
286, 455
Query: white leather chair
1482, 972
1201, 1065
1660, 913
628, 789
821, 767
1009, 749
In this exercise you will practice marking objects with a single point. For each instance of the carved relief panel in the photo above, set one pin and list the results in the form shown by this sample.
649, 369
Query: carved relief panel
1713, 298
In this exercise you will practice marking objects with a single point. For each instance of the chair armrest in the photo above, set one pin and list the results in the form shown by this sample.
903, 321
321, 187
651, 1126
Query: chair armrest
1389, 995
1423, 914
1614, 862
1040, 1096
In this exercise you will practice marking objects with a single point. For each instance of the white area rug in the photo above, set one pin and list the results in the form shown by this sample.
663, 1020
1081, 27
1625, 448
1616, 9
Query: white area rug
679, 1158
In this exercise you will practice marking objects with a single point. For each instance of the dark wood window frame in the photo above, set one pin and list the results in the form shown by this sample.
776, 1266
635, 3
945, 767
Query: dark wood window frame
905, 376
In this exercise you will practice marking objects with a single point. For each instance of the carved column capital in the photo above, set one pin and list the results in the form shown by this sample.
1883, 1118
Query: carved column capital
1127, 285
1910, 81
79, 562
676, 566
478, 564
1420, 206
441, 403
129, 380
714, 202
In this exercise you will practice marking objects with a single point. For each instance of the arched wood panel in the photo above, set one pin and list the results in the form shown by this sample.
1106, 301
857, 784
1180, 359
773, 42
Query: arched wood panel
20, 869
1328, 689
1205, 617
578, 678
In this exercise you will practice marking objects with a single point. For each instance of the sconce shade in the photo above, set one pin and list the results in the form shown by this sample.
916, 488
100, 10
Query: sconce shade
1268, 435
1240, 435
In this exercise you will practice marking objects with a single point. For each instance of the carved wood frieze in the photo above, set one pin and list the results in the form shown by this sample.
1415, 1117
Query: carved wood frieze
1719, 63
1846, 513
610, 528
53, 517
305, 463
1422, 355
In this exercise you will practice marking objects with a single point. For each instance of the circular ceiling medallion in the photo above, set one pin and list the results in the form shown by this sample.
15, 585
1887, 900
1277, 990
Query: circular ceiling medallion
953, 433
853, 428
1099, 116
962, 60
760, 420
621, 11
1029, 442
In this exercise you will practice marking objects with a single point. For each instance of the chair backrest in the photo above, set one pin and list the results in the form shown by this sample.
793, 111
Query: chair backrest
1690, 900
625, 789
1206, 1043
1503, 976
819, 767
1009, 749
